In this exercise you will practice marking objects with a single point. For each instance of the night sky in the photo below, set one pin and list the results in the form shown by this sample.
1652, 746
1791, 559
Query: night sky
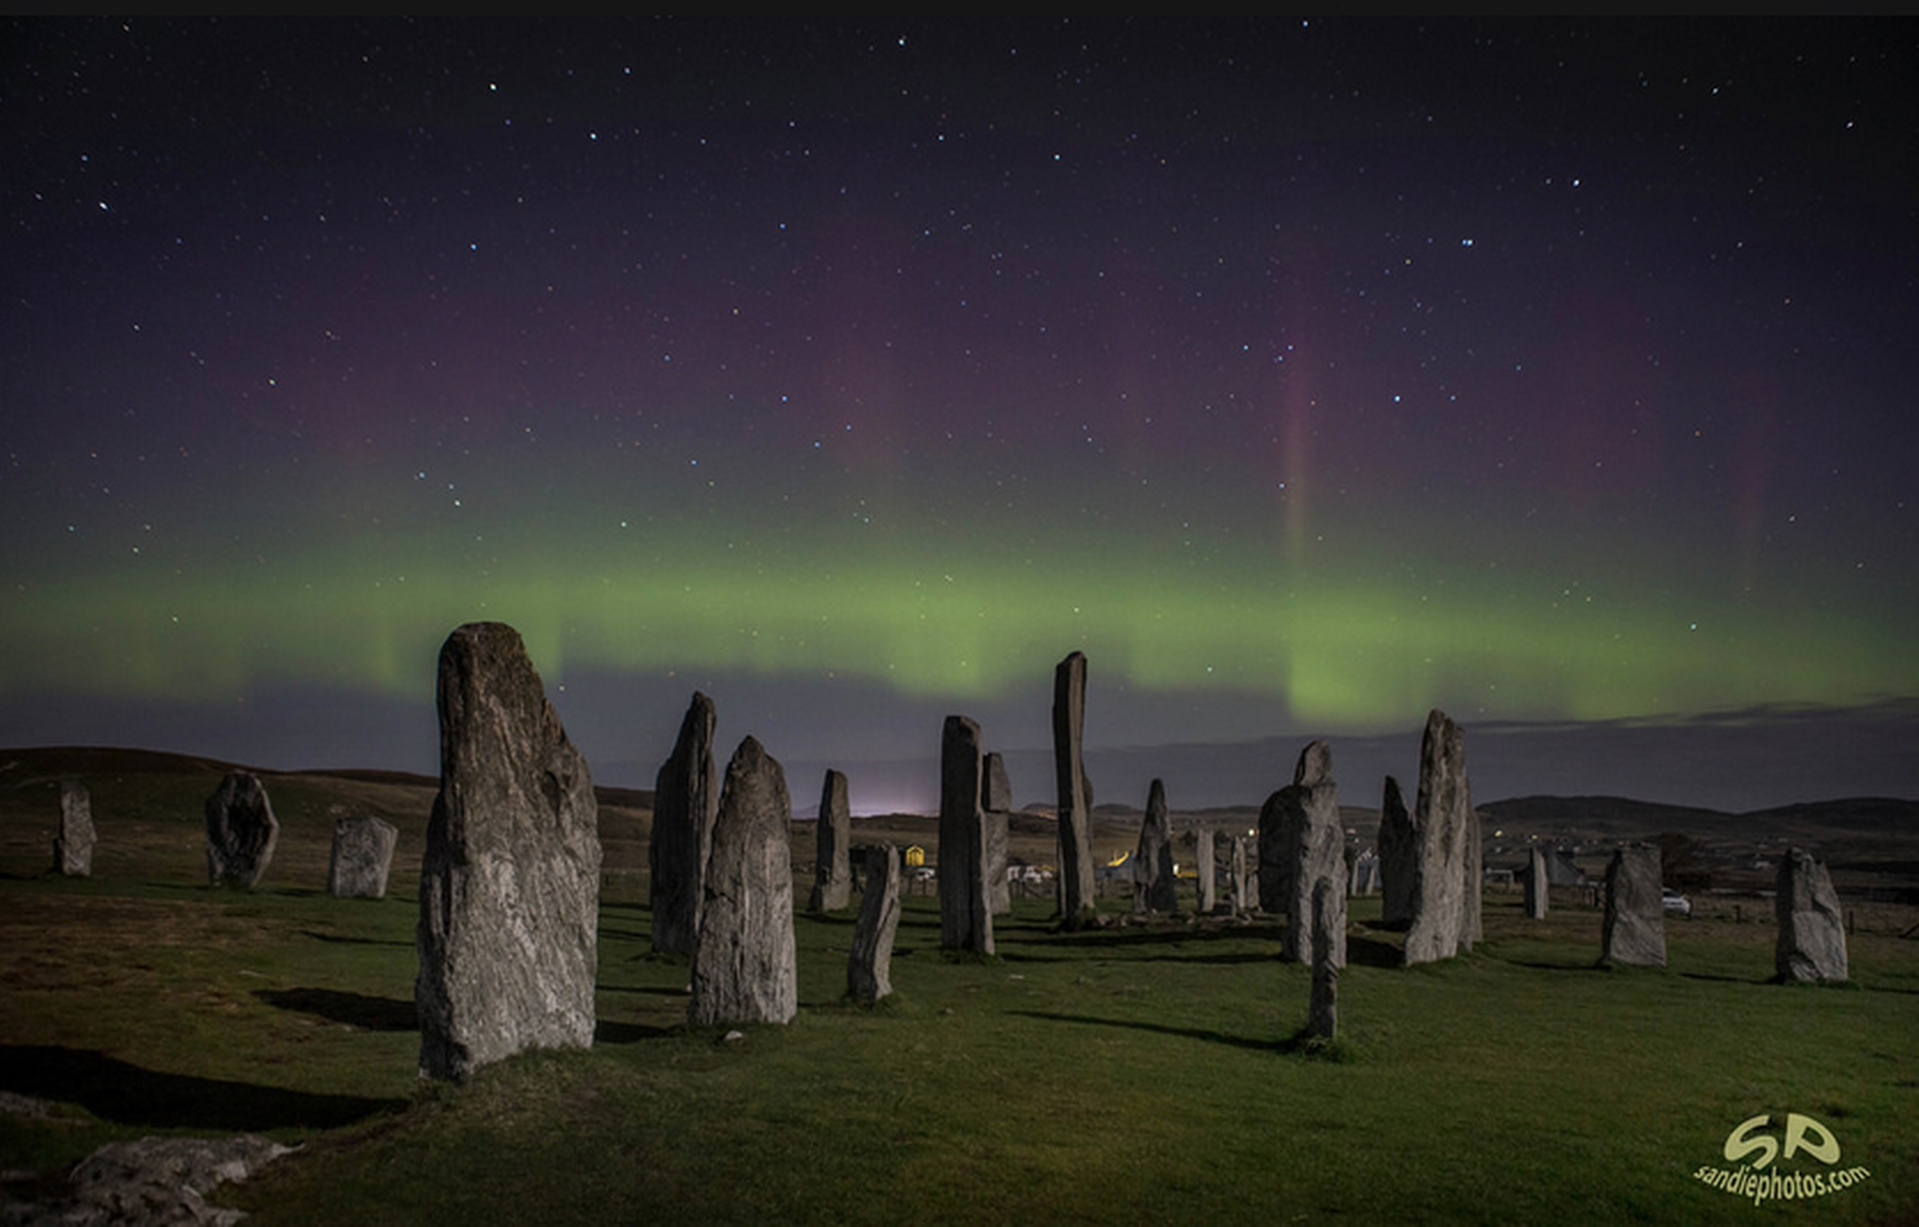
1305, 375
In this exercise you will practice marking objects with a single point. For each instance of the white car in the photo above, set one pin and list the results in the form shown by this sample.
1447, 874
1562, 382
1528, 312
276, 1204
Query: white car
1675, 902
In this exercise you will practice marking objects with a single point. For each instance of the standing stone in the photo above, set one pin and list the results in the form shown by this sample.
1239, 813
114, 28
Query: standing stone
1310, 848
1275, 879
241, 831
1446, 870
1536, 892
362, 854
1155, 889
966, 914
1398, 858
1240, 872
832, 873
686, 795
997, 801
745, 965
1635, 924
73, 846
1076, 882
509, 882
1329, 955
1365, 873
1204, 876
869, 964
1812, 931
510, 879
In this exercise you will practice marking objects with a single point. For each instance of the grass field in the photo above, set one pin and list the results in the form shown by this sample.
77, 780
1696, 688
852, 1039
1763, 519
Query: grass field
1135, 1074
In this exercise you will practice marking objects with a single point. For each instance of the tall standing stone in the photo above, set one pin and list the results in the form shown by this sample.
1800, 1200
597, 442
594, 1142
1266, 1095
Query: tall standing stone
745, 965
1155, 889
241, 831
1812, 929
1328, 955
1240, 872
1275, 875
1446, 872
832, 872
869, 964
966, 913
1635, 922
686, 795
510, 879
1205, 875
1311, 846
1076, 882
362, 855
1398, 857
73, 846
1536, 884
996, 800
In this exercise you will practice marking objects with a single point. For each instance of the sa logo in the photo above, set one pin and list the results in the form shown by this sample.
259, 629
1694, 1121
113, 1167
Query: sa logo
1802, 1133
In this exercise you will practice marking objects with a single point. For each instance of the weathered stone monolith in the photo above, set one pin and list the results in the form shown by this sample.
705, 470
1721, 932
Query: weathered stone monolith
73, 846
869, 964
1275, 876
1155, 889
745, 965
362, 855
966, 913
510, 878
686, 795
1365, 867
1328, 955
1398, 858
1310, 847
832, 872
1446, 872
1205, 874
1077, 900
1239, 872
241, 831
996, 801
1536, 892
1812, 930
1635, 923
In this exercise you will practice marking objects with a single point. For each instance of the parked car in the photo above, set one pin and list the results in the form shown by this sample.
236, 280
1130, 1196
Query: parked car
1675, 902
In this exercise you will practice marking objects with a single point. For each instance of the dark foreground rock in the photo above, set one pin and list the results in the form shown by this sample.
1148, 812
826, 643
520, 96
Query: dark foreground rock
510, 879
154, 1182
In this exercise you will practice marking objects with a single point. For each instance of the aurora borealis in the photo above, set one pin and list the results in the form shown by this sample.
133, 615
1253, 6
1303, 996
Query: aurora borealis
1305, 375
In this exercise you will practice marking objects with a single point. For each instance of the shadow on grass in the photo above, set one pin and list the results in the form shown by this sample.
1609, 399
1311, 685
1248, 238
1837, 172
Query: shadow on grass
126, 1094
611, 1032
354, 1009
341, 939
1191, 1033
1363, 951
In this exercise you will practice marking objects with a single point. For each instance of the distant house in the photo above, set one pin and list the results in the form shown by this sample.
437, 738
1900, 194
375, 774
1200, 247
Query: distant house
913, 857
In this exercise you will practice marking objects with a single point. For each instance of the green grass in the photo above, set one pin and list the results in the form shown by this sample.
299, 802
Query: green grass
1137, 1074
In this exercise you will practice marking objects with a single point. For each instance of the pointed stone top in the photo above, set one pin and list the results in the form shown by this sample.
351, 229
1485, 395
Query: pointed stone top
1315, 765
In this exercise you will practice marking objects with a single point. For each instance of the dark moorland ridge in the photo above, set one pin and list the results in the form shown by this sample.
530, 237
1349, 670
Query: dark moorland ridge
1870, 843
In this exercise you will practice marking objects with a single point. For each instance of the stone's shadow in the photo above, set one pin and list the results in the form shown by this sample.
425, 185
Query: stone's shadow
610, 1032
627, 935
126, 1094
1157, 936
341, 939
353, 1009
1240, 958
1363, 951
1191, 1033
